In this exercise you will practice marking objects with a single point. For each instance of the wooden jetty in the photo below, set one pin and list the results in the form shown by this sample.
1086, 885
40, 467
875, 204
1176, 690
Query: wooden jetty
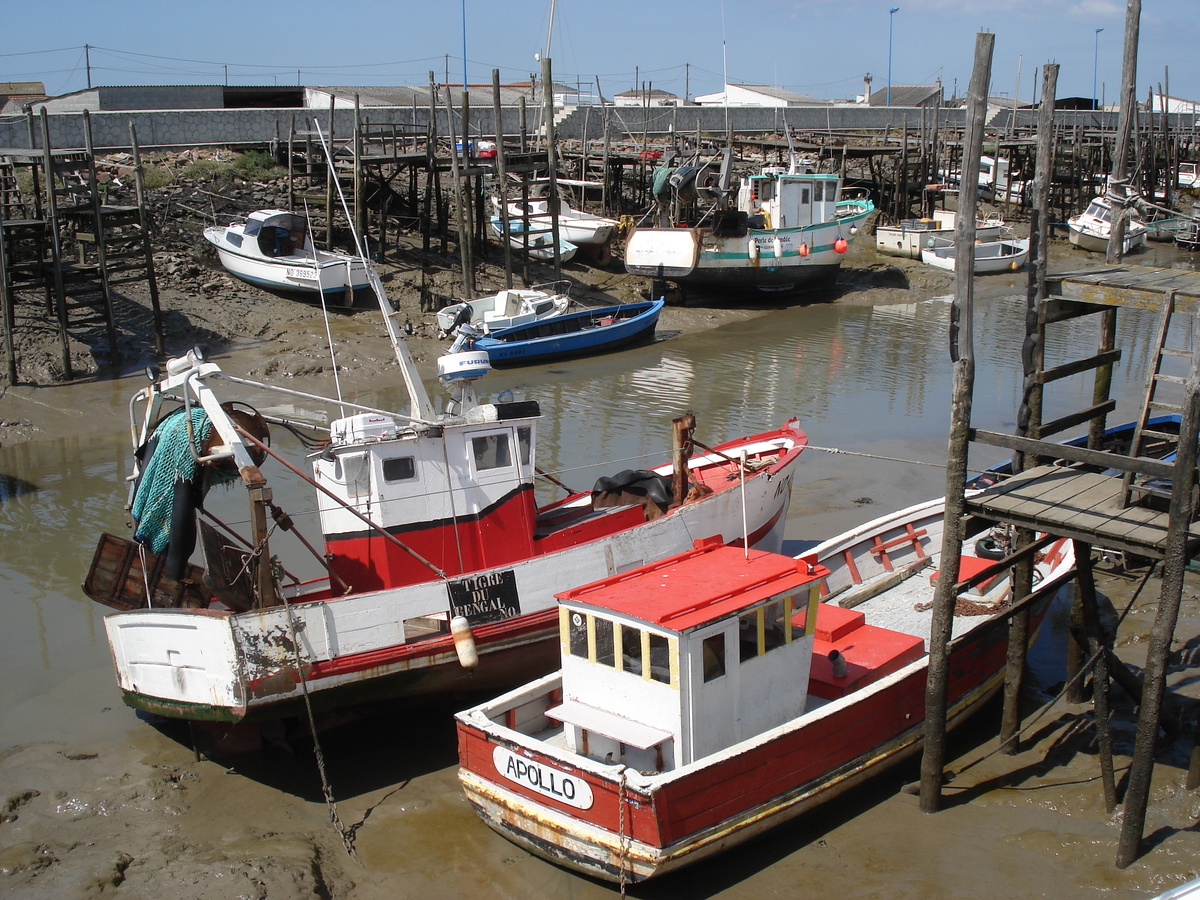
1139, 502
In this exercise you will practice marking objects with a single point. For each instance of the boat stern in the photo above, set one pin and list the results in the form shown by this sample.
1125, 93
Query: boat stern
662, 252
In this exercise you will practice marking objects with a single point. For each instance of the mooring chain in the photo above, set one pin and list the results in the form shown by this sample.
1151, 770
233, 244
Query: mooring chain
344, 833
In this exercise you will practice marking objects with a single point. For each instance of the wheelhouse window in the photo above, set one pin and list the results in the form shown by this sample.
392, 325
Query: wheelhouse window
491, 452
713, 651
356, 472
399, 468
818, 192
525, 444
764, 628
626, 648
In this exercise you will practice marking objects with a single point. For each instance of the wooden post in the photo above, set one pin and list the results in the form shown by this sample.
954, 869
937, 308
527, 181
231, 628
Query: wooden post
681, 443
1029, 415
330, 178
60, 293
291, 168
962, 356
1176, 553
1097, 647
360, 206
110, 328
7, 314
145, 223
1116, 237
465, 189
502, 179
604, 196
551, 163
464, 238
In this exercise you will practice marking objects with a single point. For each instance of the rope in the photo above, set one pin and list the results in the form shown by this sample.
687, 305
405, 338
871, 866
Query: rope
911, 462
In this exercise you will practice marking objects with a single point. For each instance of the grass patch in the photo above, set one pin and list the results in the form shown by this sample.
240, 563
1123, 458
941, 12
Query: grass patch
156, 176
253, 165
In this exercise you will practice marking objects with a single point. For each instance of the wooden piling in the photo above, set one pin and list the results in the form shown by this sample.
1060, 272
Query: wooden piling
962, 355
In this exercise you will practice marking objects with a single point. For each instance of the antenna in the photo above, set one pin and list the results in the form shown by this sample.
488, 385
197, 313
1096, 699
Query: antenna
337, 382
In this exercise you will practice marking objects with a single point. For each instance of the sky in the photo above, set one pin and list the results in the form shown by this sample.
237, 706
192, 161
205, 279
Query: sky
818, 47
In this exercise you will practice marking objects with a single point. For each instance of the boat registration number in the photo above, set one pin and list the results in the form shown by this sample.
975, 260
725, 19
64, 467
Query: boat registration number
546, 780
301, 274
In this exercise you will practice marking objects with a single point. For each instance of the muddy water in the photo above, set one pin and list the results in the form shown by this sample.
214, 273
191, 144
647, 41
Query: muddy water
869, 381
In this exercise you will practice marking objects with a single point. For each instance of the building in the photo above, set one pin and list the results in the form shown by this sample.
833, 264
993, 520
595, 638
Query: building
758, 95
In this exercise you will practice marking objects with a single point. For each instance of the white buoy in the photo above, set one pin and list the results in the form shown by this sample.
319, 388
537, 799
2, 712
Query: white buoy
464, 642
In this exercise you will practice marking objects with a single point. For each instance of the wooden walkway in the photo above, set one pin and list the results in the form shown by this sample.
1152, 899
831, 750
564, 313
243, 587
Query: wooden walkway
1139, 287
1084, 506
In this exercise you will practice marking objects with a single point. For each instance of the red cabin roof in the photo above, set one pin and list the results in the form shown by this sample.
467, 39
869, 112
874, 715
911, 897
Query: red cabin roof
694, 588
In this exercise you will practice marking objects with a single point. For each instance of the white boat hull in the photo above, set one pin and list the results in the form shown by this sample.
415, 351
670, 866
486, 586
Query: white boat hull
328, 273
990, 257
221, 666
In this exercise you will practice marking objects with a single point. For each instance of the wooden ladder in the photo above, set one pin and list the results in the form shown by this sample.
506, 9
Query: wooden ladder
1163, 397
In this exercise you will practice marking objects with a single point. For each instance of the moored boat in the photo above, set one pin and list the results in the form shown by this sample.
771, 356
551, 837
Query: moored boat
596, 330
909, 236
430, 530
505, 309
708, 697
574, 225
784, 229
1090, 229
272, 248
537, 241
990, 256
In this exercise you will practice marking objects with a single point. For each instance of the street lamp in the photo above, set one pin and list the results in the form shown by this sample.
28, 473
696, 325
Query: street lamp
891, 17
1095, 65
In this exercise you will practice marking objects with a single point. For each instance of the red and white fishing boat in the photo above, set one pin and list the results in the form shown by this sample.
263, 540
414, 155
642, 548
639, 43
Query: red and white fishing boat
431, 534
708, 697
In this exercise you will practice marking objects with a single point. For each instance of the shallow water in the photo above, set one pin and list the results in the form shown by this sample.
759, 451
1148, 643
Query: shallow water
870, 384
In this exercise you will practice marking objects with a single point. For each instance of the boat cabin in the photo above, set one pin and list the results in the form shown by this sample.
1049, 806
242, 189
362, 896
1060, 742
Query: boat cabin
460, 494
777, 198
277, 232
676, 660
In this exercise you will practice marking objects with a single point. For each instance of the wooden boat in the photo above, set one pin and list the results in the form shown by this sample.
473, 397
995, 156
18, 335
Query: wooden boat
587, 331
990, 256
505, 309
784, 230
1091, 228
538, 242
909, 236
431, 534
709, 697
272, 248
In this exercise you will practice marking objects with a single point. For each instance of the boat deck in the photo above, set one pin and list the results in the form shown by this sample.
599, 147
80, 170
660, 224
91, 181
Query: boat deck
1084, 506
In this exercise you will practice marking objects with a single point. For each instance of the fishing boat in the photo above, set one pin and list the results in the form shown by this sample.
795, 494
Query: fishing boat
1090, 229
782, 230
506, 308
536, 241
439, 564
909, 236
588, 331
990, 256
273, 248
706, 698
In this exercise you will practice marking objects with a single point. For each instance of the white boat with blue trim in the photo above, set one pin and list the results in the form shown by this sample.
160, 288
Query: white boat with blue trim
273, 248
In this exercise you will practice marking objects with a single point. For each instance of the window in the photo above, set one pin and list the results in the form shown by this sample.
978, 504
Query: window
525, 444
660, 658
577, 634
356, 470
764, 629
804, 195
818, 192
714, 657
399, 468
631, 650
491, 452
604, 642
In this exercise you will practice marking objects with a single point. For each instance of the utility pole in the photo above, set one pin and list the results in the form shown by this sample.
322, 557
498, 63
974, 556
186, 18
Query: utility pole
87, 59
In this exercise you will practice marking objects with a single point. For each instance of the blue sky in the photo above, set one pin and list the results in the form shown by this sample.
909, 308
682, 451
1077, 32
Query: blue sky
814, 47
